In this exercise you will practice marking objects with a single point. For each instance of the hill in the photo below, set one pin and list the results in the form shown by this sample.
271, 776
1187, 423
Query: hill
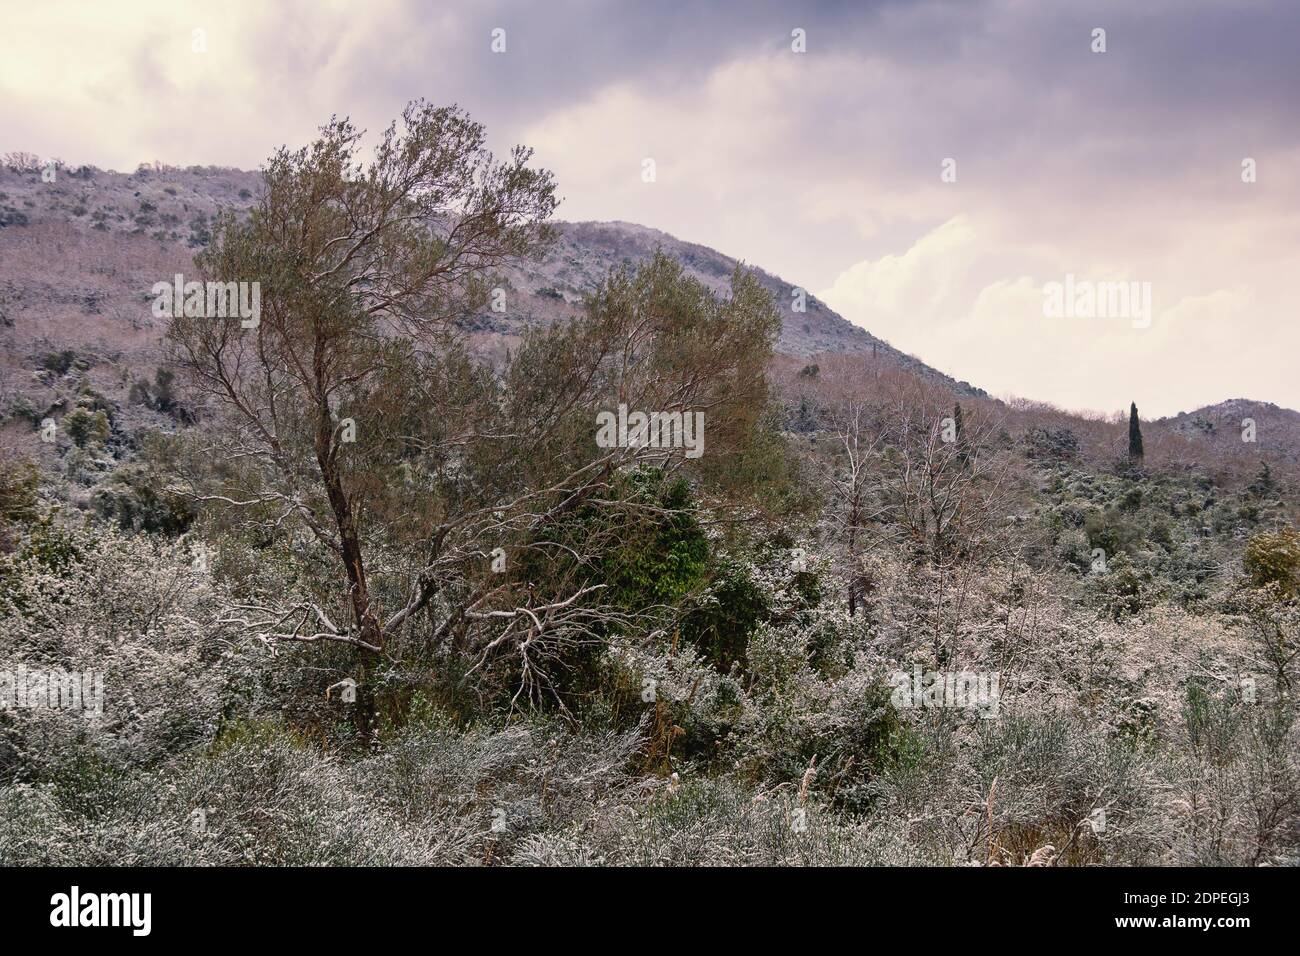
78, 257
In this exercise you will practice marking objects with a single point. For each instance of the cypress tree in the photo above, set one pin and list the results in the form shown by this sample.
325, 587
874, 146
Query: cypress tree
1134, 432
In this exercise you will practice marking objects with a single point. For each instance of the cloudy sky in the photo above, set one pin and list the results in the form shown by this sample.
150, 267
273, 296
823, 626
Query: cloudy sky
825, 167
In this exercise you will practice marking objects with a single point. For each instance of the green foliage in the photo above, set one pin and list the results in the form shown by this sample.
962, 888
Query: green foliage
1213, 723
1112, 532
764, 472
87, 428
1172, 528
1272, 558
1123, 589
139, 499
1263, 485
720, 621
19, 479
1052, 444
51, 545
59, 362
664, 562
160, 394
21, 409
1134, 433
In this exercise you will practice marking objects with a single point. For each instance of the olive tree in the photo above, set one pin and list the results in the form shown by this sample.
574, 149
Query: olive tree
434, 486
358, 264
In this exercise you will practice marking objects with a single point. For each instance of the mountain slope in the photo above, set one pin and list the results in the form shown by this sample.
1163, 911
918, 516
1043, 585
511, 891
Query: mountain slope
78, 257
1228, 426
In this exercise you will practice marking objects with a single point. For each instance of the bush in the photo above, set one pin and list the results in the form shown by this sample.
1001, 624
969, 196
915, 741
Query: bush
130, 610
19, 479
85, 427
1272, 558
137, 499
721, 619
263, 795
1239, 781
59, 362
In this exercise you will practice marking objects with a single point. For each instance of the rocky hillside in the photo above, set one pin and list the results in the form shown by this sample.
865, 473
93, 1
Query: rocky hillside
588, 250
1228, 426
80, 252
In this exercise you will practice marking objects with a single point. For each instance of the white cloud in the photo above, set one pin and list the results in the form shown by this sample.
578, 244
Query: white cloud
914, 294
946, 299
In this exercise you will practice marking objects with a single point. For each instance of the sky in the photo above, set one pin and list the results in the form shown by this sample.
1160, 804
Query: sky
930, 170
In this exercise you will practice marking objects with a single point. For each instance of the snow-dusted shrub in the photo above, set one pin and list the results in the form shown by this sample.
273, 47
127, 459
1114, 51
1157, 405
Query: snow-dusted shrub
261, 798
1235, 781
719, 822
262, 795
502, 785
796, 717
130, 615
691, 709
994, 791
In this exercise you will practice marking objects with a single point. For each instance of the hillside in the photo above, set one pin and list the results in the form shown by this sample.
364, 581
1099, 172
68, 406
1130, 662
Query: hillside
1225, 426
78, 256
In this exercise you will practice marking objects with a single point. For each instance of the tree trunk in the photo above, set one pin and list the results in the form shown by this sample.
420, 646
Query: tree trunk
367, 623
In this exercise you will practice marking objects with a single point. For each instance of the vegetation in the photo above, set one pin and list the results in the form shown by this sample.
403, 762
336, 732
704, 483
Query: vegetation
360, 594
1134, 433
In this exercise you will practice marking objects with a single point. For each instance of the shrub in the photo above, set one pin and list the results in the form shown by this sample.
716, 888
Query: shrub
19, 479
721, 619
58, 362
137, 499
130, 609
263, 795
1272, 558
